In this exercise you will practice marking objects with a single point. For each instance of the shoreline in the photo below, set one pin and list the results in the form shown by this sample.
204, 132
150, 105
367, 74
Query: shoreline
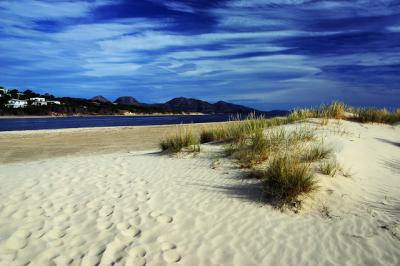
32, 145
88, 116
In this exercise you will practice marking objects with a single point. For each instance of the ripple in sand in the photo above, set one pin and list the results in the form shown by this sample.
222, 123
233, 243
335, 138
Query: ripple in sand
90, 260
135, 261
167, 246
137, 252
171, 256
104, 225
56, 233
106, 211
131, 232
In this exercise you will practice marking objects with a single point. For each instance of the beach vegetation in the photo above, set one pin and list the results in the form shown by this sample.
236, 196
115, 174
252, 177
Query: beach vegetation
375, 115
315, 153
286, 179
184, 138
329, 167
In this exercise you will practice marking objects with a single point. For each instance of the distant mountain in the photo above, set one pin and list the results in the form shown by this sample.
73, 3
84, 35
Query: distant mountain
191, 105
194, 105
127, 100
100, 99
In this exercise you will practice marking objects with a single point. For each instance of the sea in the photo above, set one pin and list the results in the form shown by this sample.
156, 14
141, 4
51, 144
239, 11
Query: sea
14, 124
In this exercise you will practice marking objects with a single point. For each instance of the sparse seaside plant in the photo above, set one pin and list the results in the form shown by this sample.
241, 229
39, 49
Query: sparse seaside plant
375, 115
184, 138
316, 153
329, 167
286, 179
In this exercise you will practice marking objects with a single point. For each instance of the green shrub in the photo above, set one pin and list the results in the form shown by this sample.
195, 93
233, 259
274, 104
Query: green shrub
184, 138
286, 179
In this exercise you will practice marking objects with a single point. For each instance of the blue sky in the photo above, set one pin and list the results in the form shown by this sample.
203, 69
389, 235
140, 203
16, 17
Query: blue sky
263, 53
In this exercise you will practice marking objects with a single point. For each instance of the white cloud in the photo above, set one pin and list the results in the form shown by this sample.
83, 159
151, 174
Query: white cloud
107, 70
46, 10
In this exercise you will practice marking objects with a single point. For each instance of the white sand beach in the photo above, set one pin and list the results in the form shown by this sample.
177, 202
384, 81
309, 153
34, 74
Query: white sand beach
129, 206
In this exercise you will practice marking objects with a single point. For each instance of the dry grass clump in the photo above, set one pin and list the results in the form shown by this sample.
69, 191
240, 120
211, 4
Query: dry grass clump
375, 115
316, 153
261, 145
286, 179
334, 110
329, 167
184, 138
238, 131
213, 134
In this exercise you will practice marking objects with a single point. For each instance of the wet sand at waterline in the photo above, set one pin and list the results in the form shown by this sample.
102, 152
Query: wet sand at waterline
41, 144
112, 199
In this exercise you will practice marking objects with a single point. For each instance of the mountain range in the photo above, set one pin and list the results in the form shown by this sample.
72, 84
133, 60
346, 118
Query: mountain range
191, 105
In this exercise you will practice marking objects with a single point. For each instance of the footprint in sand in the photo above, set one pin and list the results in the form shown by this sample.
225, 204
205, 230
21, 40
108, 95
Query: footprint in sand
161, 218
142, 196
131, 232
137, 252
171, 256
164, 219
113, 252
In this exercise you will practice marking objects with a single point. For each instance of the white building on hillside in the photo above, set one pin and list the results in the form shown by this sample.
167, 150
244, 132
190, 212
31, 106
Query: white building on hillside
54, 102
15, 103
37, 101
3, 91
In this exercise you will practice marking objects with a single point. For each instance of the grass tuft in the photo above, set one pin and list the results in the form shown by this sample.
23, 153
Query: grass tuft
374, 115
286, 179
329, 167
316, 153
184, 138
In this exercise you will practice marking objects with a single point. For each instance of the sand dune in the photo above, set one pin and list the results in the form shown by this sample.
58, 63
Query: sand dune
132, 207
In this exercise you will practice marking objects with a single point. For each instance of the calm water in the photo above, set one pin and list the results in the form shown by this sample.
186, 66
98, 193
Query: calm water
104, 121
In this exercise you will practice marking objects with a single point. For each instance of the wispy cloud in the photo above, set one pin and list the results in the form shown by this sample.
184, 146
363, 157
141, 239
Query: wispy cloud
253, 51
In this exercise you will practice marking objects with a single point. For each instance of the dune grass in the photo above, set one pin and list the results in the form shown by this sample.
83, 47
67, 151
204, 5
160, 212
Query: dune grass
262, 144
329, 167
334, 110
316, 153
375, 115
212, 134
286, 179
184, 138
338, 110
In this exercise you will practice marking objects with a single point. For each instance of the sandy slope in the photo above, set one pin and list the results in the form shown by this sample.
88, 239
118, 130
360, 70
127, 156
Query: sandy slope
131, 208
